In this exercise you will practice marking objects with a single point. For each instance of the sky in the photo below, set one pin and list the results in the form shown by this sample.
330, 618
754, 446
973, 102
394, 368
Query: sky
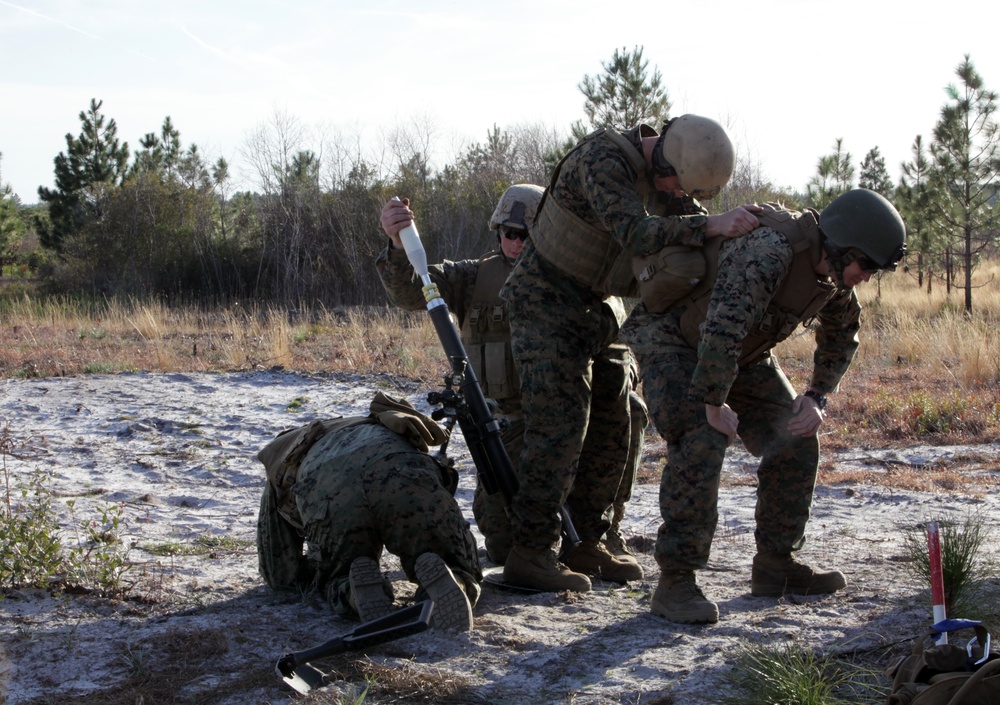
787, 77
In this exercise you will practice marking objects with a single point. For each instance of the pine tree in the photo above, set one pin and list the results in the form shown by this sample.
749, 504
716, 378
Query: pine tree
626, 93
966, 153
874, 175
620, 98
834, 176
11, 226
913, 198
160, 153
94, 158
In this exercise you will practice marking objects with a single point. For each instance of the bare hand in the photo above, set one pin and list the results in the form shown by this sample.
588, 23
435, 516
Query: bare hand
807, 417
396, 215
723, 419
739, 221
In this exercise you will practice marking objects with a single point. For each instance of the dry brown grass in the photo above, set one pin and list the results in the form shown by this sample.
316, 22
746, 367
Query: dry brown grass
64, 337
925, 372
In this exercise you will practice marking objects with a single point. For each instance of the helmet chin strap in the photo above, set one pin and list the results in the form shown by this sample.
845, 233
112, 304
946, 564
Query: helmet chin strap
839, 259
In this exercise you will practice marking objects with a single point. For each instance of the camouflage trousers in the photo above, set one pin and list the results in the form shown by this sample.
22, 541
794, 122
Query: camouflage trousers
689, 488
491, 514
397, 503
575, 396
638, 422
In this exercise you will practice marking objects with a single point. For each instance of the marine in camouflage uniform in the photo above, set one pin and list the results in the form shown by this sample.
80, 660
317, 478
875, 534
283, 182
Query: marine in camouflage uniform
358, 487
606, 203
712, 354
471, 289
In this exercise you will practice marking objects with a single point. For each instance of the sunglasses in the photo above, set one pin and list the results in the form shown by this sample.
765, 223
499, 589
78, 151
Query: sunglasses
514, 233
867, 264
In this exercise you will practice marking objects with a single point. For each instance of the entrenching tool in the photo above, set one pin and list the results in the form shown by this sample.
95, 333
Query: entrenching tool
295, 670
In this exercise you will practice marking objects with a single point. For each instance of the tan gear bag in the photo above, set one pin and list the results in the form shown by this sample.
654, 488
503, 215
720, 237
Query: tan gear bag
947, 674
399, 415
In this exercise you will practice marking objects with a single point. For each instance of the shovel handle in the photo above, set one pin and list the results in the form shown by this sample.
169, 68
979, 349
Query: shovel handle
404, 622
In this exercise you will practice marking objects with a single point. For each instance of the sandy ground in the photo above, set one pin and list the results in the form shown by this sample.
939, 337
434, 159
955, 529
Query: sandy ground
176, 453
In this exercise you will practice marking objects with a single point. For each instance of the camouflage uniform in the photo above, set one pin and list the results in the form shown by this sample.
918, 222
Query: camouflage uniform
639, 419
751, 269
564, 334
360, 489
456, 282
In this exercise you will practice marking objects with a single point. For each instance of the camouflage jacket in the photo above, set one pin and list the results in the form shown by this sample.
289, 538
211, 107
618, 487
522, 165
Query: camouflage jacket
350, 450
751, 269
597, 183
455, 280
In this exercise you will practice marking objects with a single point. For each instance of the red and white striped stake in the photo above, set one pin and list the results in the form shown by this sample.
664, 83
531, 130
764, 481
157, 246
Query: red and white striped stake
937, 577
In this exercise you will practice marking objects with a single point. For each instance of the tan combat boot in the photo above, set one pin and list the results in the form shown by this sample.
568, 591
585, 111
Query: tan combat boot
777, 574
615, 543
540, 570
368, 596
679, 599
452, 609
593, 559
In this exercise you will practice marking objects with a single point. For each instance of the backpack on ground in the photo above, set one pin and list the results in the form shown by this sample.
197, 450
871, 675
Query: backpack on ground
948, 674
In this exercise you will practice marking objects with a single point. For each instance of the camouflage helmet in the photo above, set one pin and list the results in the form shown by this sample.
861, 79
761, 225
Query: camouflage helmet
864, 220
699, 152
517, 207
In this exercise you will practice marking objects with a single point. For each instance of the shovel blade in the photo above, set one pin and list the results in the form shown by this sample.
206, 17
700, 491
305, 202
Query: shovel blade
295, 670
303, 678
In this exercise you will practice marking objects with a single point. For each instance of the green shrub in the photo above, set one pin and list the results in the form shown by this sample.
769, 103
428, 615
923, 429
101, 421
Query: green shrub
963, 566
922, 413
30, 547
100, 561
790, 674
32, 550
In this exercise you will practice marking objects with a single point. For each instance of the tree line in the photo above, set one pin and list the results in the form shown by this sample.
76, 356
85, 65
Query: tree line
161, 220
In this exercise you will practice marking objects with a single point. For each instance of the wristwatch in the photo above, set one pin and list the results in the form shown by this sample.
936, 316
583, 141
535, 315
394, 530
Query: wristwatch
820, 399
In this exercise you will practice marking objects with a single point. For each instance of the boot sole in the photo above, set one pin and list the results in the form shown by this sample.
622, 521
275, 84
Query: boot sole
624, 572
778, 588
545, 584
452, 609
366, 583
703, 616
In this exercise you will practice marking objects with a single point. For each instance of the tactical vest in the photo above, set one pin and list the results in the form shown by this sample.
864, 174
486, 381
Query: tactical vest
486, 331
583, 251
799, 297
282, 457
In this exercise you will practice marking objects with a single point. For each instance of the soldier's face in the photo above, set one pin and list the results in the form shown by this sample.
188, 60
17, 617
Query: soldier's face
511, 247
854, 274
669, 184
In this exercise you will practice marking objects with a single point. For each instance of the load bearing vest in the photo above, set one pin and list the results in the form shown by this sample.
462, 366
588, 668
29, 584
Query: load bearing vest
583, 251
799, 297
486, 331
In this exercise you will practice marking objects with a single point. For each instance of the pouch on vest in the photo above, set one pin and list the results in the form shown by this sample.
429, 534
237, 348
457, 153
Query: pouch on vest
669, 275
948, 674
675, 273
